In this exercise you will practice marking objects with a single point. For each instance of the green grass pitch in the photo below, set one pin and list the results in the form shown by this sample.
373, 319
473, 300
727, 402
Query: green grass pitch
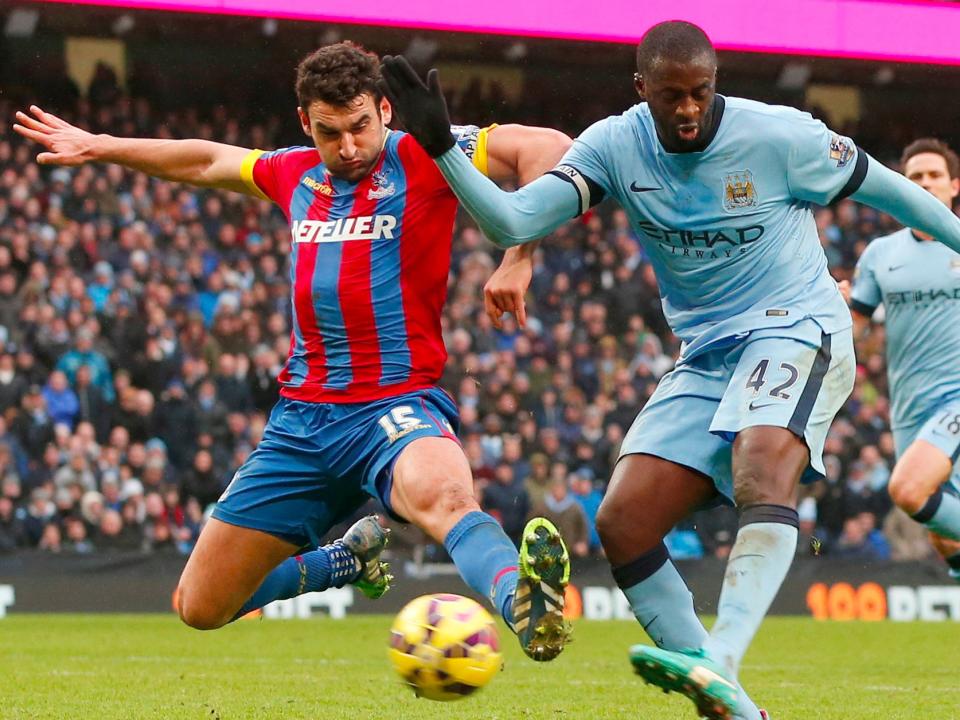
143, 667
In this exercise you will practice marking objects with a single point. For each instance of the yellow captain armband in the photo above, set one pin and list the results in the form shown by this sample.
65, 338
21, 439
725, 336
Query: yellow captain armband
246, 173
480, 154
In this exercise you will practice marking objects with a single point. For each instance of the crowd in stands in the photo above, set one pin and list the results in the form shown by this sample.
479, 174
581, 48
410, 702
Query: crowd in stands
143, 324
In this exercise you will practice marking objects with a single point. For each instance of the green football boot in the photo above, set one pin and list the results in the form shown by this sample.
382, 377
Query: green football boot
366, 539
543, 572
690, 672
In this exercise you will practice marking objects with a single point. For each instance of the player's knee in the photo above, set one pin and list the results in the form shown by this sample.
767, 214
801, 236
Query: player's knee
198, 615
908, 495
438, 499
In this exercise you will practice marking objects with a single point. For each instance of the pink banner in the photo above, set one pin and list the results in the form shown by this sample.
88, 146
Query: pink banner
901, 30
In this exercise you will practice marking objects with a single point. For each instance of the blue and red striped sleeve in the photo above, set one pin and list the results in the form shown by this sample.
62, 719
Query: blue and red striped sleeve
275, 175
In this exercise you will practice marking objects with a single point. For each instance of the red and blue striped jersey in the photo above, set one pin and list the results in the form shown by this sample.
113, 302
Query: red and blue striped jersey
368, 269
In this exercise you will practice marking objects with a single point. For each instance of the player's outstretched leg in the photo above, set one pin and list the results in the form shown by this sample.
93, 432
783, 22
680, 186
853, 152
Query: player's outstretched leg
920, 485
433, 489
544, 571
354, 559
657, 594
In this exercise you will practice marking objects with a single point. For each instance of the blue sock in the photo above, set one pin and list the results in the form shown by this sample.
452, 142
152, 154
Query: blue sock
758, 563
329, 566
941, 514
486, 559
663, 605
661, 601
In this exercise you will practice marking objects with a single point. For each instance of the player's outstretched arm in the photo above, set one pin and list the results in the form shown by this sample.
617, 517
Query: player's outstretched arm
198, 162
524, 153
508, 219
910, 204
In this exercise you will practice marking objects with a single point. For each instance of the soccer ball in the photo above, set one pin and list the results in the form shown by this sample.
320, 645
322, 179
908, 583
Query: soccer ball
444, 647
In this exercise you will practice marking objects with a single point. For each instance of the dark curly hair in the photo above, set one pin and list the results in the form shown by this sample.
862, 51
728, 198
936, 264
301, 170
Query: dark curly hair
938, 147
337, 74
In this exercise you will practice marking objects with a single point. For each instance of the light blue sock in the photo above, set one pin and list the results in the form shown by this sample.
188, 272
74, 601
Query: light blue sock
330, 566
941, 514
758, 563
486, 559
663, 605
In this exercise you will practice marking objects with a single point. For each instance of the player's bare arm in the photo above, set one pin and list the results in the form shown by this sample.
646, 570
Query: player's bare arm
198, 162
525, 153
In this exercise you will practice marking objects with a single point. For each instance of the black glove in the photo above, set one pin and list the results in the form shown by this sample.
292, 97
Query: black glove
422, 108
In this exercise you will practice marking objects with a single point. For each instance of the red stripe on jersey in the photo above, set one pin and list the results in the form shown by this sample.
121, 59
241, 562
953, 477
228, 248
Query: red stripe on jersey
356, 301
425, 258
315, 355
278, 174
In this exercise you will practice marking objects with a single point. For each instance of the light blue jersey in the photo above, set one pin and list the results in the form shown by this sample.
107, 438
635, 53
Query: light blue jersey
918, 284
729, 230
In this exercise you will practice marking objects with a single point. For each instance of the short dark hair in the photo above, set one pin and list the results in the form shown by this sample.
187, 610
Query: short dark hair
937, 147
337, 74
675, 40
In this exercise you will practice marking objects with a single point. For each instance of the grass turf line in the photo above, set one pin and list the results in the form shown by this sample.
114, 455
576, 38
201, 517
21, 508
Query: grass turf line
132, 667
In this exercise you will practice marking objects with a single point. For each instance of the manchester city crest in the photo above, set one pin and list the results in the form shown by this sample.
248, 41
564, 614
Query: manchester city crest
739, 191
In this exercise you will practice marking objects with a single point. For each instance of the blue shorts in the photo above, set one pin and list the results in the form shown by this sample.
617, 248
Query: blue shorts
795, 377
940, 428
318, 462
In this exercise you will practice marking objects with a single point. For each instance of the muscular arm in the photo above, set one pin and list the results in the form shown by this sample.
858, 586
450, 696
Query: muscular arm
524, 153
910, 204
509, 218
198, 162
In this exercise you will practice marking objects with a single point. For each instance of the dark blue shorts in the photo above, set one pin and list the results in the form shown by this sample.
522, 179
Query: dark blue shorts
318, 462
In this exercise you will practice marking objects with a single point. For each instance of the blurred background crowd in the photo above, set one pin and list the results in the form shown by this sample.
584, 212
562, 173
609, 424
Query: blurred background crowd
143, 323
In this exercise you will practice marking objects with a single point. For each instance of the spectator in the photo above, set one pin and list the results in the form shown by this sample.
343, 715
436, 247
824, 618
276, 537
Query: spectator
12, 533
83, 353
589, 498
201, 482
507, 501
537, 481
61, 400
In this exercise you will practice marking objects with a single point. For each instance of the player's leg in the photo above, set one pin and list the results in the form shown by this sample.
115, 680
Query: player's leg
225, 568
279, 501
670, 465
781, 397
924, 468
646, 498
432, 487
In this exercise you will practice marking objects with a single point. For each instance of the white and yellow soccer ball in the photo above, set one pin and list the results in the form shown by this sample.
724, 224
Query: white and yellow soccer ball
444, 646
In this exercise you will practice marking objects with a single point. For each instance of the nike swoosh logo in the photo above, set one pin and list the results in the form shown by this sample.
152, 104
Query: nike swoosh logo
894, 267
652, 621
754, 406
637, 188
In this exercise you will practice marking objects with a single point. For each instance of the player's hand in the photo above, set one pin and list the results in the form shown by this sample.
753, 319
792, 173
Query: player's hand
422, 107
844, 287
505, 290
65, 144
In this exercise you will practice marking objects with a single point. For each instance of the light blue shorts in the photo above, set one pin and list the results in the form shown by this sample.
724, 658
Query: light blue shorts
795, 377
940, 428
